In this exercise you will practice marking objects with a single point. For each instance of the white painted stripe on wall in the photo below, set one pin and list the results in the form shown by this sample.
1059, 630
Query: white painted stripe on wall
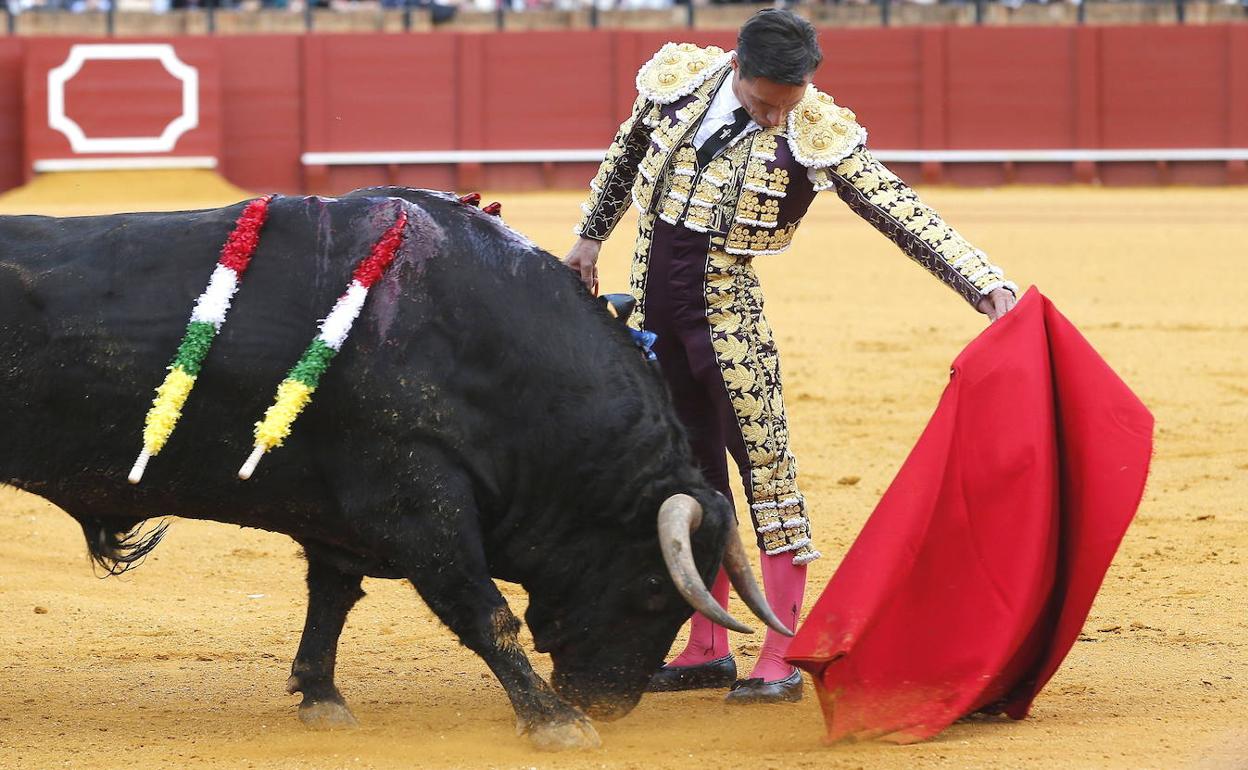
1062, 156
889, 156
450, 156
123, 164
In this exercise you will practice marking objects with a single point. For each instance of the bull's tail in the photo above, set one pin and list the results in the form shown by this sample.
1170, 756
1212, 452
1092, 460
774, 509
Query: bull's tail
118, 547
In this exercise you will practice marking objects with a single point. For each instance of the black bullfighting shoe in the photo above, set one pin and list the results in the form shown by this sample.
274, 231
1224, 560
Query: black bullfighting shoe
746, 691
712, 674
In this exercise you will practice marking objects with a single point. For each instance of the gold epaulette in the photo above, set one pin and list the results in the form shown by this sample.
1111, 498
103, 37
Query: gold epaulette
677, 70
821, 133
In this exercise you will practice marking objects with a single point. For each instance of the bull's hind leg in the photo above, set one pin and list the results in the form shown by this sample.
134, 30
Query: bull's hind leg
331, 595
441, 549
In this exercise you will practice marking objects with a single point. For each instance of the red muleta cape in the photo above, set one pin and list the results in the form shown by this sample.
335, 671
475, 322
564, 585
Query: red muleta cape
973, 577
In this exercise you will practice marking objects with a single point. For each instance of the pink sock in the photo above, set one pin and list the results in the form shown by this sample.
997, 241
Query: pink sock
707, 641
785, 584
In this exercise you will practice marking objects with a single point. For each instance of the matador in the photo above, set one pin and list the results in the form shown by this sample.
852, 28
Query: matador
722, 156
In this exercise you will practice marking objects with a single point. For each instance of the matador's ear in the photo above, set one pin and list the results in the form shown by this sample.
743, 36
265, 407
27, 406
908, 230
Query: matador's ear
619, 305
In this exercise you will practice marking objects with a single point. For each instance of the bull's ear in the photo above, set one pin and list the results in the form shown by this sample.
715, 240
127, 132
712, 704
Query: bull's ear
619, 305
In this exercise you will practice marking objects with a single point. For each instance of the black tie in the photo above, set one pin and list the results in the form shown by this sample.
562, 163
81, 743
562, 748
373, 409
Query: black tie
720, 139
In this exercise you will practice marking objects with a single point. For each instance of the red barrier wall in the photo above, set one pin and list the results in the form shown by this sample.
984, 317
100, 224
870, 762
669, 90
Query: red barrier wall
10, 113
914, 88
391, 92
262, 131
1016, 90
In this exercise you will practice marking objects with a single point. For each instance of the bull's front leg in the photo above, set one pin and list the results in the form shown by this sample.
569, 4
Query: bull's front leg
472, 607
441, 549
331, 595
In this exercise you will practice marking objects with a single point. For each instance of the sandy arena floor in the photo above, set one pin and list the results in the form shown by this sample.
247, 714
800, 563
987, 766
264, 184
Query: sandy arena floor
181, 664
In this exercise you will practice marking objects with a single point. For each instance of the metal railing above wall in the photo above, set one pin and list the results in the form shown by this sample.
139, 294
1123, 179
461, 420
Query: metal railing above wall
1082, 165
439, 157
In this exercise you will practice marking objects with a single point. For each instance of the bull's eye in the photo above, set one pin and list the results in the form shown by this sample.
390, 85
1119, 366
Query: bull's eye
653, 594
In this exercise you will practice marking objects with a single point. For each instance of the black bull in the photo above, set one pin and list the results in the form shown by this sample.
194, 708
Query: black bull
486, 418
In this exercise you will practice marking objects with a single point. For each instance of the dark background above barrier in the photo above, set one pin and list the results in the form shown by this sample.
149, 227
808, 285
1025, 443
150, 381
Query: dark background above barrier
952, 88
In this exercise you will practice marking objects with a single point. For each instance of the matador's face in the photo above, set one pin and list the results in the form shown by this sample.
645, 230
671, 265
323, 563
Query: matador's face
768, 102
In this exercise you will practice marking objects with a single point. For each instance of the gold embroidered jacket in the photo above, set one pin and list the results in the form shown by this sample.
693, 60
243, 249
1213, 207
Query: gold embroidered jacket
752, 197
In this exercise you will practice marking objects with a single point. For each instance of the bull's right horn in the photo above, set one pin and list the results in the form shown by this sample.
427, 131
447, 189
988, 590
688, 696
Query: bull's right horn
737, 566
680, 516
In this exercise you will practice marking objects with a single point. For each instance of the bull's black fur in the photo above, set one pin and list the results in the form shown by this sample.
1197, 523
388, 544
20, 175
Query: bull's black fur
486, 418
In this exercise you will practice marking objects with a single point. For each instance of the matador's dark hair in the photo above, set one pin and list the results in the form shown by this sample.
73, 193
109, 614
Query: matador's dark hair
779, 45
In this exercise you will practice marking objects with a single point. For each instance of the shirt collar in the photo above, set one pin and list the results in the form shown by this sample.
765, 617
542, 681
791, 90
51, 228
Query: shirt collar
725, 100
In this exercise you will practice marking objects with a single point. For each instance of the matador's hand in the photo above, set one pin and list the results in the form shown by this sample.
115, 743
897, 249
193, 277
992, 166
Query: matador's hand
996, 303
583, 258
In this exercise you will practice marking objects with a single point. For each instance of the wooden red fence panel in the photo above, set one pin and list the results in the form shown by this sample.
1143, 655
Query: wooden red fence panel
262, 127
266, 101
11, 109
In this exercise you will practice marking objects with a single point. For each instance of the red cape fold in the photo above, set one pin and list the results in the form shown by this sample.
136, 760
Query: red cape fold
972, 578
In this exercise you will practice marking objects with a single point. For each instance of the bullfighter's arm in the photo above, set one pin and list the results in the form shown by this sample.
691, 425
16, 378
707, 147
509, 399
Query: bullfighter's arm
880, 197
609, 190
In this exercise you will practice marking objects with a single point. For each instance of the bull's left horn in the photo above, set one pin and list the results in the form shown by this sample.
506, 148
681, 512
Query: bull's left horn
679, 516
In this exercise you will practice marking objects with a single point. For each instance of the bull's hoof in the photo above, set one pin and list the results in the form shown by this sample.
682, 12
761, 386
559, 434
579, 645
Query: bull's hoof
565, 736
327, 715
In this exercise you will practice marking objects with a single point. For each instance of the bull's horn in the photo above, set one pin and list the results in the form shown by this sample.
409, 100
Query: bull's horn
737, 565
679, 516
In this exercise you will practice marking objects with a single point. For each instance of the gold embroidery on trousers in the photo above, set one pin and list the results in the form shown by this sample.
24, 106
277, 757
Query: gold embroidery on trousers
749, 365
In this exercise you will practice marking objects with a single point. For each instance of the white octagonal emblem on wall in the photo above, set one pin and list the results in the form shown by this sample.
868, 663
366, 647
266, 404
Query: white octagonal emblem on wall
161, 52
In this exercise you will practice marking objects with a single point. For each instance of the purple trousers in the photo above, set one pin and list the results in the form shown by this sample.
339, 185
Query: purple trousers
676, 312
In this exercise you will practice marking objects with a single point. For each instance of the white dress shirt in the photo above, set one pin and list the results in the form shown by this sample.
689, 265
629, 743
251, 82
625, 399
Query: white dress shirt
719, 114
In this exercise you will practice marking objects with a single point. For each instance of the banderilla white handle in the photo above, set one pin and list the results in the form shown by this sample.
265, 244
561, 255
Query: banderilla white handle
253, 460
140, 465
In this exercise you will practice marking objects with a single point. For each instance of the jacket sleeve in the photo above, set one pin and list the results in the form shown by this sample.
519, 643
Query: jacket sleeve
609, 190
878, 196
